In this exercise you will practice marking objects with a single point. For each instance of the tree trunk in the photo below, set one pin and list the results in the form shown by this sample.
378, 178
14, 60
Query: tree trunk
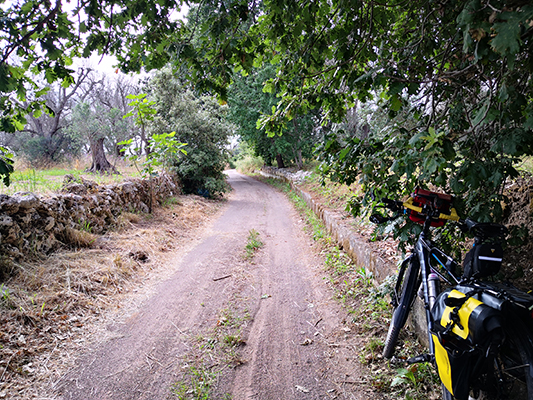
279, 159
100, 163
299, 159
296, 149
118, 151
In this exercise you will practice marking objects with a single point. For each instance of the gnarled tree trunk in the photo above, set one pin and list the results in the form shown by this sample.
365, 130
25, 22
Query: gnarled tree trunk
100, 163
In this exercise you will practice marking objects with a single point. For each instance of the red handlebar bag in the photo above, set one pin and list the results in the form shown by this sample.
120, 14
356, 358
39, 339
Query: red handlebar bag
438, 201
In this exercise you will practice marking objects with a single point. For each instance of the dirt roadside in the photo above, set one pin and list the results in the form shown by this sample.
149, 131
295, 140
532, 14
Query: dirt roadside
291, 343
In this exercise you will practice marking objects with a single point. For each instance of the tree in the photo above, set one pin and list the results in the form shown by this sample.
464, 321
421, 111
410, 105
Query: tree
110, 96
164, 149
198, 121
248, 102
460, 69
43, 139
142, 111
94, 125
40, 38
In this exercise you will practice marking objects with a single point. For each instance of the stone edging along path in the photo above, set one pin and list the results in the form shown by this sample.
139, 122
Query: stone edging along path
359, 251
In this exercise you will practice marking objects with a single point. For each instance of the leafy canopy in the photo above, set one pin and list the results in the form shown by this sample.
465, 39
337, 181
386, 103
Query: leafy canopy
454, 76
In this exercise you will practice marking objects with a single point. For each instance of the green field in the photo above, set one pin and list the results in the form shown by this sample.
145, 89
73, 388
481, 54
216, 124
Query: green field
50, 180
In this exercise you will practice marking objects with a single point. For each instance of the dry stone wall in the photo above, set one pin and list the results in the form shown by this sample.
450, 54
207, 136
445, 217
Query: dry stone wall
34, 224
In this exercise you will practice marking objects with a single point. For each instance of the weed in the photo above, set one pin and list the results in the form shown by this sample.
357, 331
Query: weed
197, 386
218, 348
253, 244
337, 261
171, 201
5, 296
403, 375
232, 340
372, 349
415, 381
85, 226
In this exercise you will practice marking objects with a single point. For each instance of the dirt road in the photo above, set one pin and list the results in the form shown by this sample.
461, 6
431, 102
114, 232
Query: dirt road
292, 342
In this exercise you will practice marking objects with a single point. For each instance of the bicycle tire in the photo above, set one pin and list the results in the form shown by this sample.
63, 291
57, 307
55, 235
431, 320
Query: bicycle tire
446, 395
511, 376
410, 284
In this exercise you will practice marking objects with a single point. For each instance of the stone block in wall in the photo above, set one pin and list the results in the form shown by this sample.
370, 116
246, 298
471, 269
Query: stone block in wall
32, 223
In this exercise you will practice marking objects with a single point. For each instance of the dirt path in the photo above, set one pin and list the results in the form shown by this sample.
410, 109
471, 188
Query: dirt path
294, 345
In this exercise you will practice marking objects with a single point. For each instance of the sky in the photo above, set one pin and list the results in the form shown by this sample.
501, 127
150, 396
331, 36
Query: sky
105, 64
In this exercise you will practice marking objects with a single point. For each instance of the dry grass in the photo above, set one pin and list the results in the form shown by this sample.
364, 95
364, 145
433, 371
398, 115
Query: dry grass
332, 194
47, 308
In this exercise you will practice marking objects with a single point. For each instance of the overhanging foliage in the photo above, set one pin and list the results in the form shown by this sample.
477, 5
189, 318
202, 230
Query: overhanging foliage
454, 76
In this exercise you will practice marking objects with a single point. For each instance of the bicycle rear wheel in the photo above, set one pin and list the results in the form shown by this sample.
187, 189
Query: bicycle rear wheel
409, 283
446, 395
511, 376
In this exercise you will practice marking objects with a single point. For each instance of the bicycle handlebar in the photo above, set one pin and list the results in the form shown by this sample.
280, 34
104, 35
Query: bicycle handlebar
399, 206
483, 229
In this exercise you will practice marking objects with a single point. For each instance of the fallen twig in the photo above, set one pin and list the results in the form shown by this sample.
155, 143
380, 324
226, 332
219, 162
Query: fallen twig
7, 366
222, 277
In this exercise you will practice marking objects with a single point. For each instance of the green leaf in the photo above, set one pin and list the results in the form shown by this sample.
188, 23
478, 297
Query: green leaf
481, 113
507, 39
343, 153
42, 92
396, 103
413, 141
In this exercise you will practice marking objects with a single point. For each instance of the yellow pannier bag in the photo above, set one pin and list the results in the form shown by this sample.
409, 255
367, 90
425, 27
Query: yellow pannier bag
466, 334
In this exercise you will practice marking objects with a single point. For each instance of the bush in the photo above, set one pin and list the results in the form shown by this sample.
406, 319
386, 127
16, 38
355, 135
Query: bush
249, 164
200, 122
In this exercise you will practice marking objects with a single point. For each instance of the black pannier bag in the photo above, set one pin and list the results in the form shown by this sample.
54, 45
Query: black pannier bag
465, 332
484, 259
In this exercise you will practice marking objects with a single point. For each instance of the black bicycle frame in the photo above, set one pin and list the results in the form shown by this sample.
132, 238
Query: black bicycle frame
424, 249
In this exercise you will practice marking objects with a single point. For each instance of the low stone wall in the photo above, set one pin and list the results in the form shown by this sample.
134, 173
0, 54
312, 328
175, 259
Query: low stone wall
359, 251
33, 224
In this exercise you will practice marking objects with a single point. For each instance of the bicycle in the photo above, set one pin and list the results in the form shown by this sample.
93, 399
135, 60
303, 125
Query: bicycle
480, 331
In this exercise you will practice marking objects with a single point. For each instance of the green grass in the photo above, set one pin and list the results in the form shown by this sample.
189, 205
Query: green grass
215, 350
253, 244
197, 385
249, 164
526, 165
51, 180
